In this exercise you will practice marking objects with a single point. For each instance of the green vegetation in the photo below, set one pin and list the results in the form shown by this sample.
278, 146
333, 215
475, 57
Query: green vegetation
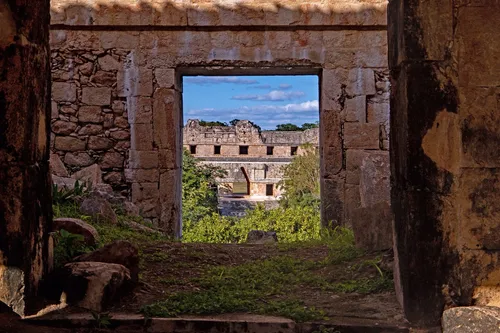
212, 123
293, 127
265, 286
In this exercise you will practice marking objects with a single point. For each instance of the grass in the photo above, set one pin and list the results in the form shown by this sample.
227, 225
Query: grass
265, 286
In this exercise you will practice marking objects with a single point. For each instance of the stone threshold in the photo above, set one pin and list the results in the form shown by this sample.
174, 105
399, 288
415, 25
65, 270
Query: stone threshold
233, 323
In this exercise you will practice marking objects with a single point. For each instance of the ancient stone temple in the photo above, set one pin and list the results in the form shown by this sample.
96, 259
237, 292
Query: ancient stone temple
116, 100
253, 160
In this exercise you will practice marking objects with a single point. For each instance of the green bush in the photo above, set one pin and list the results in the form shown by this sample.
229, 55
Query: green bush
290, 224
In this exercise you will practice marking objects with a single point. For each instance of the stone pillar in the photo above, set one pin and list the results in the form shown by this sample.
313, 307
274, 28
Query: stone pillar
444, 153
25, 187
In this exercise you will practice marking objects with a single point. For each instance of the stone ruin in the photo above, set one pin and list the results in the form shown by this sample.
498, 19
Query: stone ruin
123, 62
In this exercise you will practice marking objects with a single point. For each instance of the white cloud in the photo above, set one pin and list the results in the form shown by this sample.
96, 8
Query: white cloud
285, 86
261, 86
205, 80
274, 95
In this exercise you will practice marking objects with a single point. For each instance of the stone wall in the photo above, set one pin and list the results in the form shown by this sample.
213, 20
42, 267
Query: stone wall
124, 62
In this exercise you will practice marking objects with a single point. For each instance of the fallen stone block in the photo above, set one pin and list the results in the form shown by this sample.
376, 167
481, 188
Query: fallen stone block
119, 252
94, 285
79, 227
90, 175
472, 319
57, 166
63, 182
99, 209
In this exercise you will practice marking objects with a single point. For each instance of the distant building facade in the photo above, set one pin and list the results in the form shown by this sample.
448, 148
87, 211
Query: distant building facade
253, 160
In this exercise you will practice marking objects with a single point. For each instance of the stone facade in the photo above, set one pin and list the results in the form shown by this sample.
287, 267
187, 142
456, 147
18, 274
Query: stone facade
250, 158
117, 85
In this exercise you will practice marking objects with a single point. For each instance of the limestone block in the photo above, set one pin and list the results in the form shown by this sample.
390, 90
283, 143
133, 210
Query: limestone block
332, 209
361, 136
120, 135
57, 166
109, 63
141, 136
355, 109
169, 158
121, 122
86, 69
165, 77
79, 227
108, 120
170, 200
113, 178
372, 227
378, 113
142, 175
166, 114
78, 159
361, 81
54, 111
63, 127
124, 40
99, 209
374, 182
352, 201
103, 78
143, 159
331, 88
112, 160
69, 109
96, 95
471, 319
99, 143
90, 129
91, 175
145, 196
354, 158
68, 143
135, 82
90, 114
140, 110
118, 107
63, 92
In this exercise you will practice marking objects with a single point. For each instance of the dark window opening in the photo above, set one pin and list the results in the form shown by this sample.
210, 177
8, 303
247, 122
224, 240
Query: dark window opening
270, 150
269, 189
192, 149
293, 151
243, 150
216, 150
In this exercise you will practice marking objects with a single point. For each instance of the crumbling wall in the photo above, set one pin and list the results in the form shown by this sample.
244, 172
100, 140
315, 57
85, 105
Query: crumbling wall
123, 61
445, 134
25, 189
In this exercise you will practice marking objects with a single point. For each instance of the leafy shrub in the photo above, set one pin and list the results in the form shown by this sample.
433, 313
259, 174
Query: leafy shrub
67, 246
64, 195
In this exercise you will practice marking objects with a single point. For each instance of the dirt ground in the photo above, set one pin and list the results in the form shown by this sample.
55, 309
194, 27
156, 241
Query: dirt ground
182, 262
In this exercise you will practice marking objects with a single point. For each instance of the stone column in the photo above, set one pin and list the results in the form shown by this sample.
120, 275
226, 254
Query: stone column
25, 190
444, 153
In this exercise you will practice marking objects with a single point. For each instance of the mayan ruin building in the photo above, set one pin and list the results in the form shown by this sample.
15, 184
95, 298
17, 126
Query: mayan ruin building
408, 144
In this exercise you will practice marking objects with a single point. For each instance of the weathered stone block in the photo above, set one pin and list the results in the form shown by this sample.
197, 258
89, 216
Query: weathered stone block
378, 113
90, 129
354, 158
374, 182
96, 95
352, 201
170, 199
169, 158
108, 63
99, 143
472, 319
361, 81
120, 135
54, 110
78, 159
63, 92
361, 136
146, 197
112, 160
166, 114
143, 159
372, 227
142, 175
355, 109
331, 88
103, 78
91, 175
332, 205
165, 77
135, 82
68, 143
141, 136
63, 127
140, 110
90, 114
57, 166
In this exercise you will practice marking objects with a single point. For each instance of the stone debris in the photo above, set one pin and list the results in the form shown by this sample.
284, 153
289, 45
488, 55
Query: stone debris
90, 175
473, 319
99, 209
262, 237
93, 285
77, 226
119, 252
57, 166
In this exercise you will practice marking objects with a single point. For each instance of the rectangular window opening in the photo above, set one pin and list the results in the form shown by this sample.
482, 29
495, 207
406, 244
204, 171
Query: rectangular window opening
243, 150
216, 150
192, 149
269, 190
293, 151
270, 150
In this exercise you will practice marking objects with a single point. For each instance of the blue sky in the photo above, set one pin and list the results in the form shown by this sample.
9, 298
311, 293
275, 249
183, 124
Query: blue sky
265, 100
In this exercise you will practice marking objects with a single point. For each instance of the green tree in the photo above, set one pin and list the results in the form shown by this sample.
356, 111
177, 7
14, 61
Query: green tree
234, 122
307, 126
301, 179
212, 123
199, 189
287, 127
